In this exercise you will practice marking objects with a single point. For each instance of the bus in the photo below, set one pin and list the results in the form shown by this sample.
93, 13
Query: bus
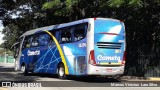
92, 46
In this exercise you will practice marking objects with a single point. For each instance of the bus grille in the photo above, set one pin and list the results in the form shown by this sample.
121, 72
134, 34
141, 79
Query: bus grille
109, 45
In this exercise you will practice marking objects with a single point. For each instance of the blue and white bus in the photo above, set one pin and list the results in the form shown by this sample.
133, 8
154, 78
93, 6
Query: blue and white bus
93, 46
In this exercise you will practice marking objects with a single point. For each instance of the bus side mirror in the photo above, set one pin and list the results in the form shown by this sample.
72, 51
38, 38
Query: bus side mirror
15, 54
15, 48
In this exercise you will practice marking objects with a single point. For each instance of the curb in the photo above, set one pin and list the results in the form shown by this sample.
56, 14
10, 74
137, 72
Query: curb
141, 78
3, 88
154, 79
134, 77
7, 65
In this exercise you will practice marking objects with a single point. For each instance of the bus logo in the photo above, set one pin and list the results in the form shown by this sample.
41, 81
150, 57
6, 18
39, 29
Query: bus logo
100, 57
32, 53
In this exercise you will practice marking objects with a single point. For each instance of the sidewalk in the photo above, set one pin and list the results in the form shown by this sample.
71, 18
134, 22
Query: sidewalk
6, 65
134, 78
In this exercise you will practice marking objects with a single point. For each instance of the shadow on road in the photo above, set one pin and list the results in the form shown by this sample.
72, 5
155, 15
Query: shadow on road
8, 74
5, 69
43, 75
89, 79
93, 79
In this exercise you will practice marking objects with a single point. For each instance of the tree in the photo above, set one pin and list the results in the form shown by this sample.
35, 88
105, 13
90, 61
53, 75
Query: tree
21, 16
141, 18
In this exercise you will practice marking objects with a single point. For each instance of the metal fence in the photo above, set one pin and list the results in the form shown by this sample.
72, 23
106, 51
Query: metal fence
152, 65
143, 62
9, 59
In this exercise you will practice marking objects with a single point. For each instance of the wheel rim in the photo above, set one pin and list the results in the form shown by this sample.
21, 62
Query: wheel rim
61, 71
23, 68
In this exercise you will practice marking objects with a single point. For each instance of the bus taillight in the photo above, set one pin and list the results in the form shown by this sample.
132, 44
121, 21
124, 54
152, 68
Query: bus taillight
124, 58
91, 58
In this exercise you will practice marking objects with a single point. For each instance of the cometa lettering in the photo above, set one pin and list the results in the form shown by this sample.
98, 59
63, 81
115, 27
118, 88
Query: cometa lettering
31, 53
100, 57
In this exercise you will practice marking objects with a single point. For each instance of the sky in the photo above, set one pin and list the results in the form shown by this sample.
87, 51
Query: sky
1, 35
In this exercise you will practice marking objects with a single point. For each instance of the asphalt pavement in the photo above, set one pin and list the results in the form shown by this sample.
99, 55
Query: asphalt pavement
7, 74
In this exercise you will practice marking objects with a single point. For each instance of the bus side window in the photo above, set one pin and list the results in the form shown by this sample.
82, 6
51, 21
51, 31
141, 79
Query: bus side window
51, 41
26, 43
66, 36
58, 35
80, 32
43, 39
34, 42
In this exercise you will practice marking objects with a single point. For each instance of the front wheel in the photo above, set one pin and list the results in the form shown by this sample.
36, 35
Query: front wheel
24, 70
61, 72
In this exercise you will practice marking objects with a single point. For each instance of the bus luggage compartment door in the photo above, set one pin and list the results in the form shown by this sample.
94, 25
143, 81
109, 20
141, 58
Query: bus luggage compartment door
80, 65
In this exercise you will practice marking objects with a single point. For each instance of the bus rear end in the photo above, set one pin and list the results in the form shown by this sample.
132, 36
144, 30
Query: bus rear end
106, 45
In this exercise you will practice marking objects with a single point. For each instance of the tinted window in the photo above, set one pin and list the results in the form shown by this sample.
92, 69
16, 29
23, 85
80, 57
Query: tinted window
34, 40
26, 43
80, 31
43, 39
66, 35
70, 34
55, 33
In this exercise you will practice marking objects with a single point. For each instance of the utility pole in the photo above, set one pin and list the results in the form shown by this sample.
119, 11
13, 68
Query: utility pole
5, 60
5, 56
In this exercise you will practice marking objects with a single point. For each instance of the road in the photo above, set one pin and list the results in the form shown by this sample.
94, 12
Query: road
7, 73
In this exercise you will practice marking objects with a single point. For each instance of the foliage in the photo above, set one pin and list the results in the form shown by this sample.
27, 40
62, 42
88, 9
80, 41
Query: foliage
51, 4
9, 32
141, 18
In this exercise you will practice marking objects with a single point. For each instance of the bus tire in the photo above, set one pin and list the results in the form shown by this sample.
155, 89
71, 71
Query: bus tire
61, 72
24, 69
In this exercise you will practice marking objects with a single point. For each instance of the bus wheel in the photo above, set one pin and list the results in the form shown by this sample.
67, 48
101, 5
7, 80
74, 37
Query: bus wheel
24, 70
61, 72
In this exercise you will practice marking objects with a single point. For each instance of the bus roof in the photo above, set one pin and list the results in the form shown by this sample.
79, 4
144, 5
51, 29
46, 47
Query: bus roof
30, 32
